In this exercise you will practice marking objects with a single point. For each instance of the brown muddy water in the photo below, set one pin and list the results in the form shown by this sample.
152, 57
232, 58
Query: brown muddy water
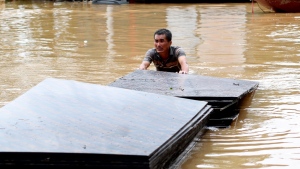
101, 43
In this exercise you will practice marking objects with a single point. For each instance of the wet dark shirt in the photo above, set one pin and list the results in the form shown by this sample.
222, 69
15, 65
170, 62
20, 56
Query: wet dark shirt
171, 64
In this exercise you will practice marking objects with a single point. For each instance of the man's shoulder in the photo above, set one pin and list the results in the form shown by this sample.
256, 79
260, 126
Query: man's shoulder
151, 51
177, 50
175, 47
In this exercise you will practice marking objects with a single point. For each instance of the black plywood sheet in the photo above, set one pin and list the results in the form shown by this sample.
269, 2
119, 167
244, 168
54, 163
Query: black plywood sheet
224, 95
185, 85
64, 116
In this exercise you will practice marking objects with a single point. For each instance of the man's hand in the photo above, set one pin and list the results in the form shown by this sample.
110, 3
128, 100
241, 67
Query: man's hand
183, 64
182, 72
144, 65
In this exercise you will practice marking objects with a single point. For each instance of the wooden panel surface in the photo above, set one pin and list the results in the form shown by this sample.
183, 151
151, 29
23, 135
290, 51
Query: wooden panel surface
65, 116
185, 85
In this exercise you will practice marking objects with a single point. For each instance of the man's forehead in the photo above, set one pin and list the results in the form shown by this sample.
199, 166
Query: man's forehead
163, 36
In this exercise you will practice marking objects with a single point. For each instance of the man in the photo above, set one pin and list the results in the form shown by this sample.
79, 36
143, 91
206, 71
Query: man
164, 56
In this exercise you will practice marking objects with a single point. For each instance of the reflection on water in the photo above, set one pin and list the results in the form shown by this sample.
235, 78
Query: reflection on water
2, 5
100, 43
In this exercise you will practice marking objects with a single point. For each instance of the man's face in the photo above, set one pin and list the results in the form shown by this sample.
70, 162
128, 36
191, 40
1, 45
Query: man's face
161, 44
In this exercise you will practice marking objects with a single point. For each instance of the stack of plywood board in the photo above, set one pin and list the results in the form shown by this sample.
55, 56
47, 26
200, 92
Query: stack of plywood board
223, 94
64, 123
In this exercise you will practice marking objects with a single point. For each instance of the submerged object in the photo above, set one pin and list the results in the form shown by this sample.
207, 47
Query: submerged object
281, 6
110, 2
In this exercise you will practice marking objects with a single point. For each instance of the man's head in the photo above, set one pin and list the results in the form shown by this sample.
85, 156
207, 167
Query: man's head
165, 32
162, 41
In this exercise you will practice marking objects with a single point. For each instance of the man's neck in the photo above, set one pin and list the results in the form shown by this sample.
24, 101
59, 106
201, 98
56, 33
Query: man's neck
165, 55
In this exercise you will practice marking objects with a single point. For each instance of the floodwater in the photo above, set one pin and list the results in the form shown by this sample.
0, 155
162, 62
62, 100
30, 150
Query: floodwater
101, 43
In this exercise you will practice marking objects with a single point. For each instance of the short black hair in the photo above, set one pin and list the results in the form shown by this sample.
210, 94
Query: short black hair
164, 32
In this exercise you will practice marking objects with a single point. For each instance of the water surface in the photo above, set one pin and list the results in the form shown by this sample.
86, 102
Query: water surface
100, 43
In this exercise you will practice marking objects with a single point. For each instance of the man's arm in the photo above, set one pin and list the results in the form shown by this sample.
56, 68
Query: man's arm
184, 66
144, 65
